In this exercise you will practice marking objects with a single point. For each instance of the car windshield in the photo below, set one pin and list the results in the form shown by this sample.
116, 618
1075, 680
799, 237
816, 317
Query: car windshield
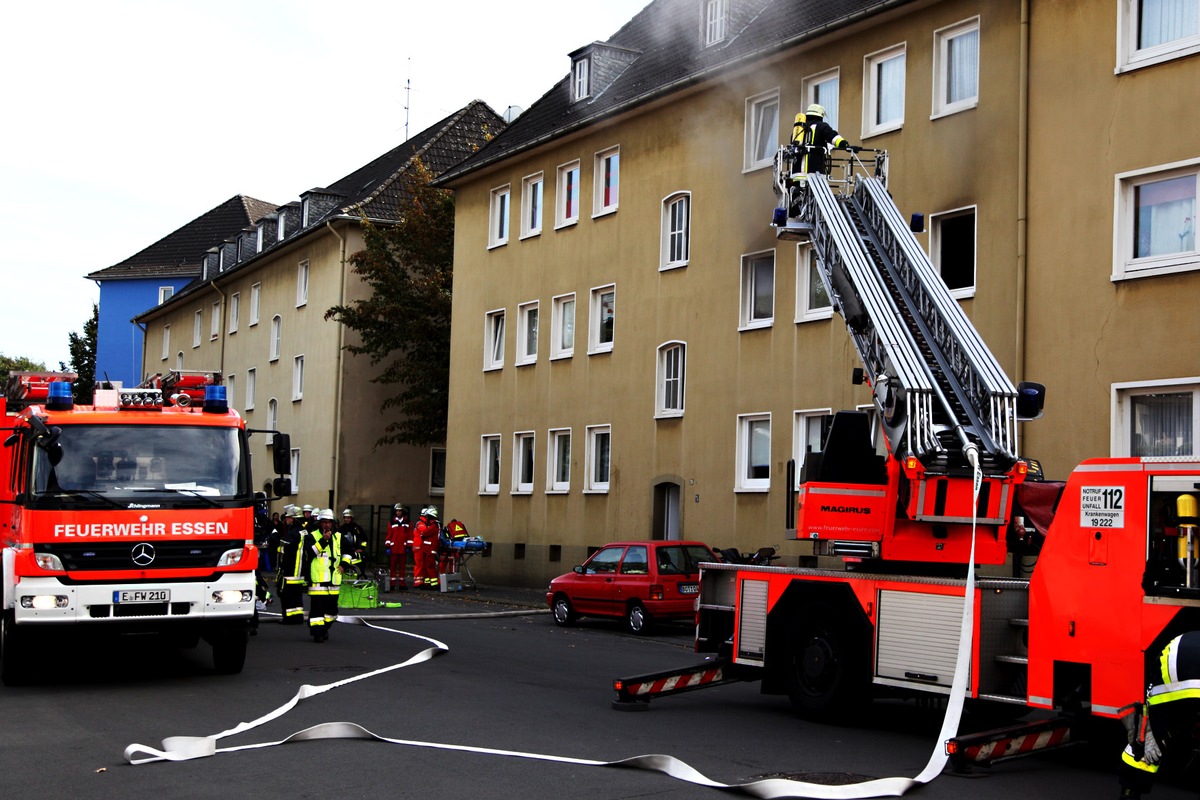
682, 559
129, 462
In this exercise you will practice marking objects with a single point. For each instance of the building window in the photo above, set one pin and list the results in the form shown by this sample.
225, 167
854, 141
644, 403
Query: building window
251, 385
272, 418
295, 470
531, 205
255, 299
822, 88
235, 308
231, 390
179, 360
301, 283
498, 217
165, 293
603, 319
1156, 221
259, 235
808, 435
437, 471
493, 340
761, 136
567, 205
758, 290
598, 456
1153, 31
714, 21
562, 327
670, 383
166, 342
523, 444
298, 378
197, 326
607, 174
883, 93
1156, 418
279, 231
558, 461
956, 68
676, 230
581, 79
214, 326
276, 336
527, 338
753, 453
812, 300
304, 207
952, 247
489, 464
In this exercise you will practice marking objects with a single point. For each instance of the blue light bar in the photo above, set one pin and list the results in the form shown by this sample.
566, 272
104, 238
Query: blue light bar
59, 396
215, 400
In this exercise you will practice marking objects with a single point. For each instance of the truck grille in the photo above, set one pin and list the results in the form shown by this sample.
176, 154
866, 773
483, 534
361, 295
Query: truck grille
120, 555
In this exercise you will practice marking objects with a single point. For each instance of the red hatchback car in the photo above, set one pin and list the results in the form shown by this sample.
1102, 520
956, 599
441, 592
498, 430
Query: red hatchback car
635, 581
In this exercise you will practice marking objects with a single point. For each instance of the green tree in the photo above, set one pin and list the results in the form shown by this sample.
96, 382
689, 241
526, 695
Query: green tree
83, 357
18, 364
405, 324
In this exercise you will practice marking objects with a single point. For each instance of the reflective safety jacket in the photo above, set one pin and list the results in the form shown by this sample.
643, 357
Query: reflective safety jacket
322, 557
291, 555
1179, 671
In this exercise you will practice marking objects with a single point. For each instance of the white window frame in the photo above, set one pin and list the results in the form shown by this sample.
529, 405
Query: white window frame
1125, 266
806, 278
197, 327
606, 163
942, 61
871, 90
581, 74
716, 21
749, 284
251, 386
259, 237
255, 302
281, 224
231, 390
295, 476
235, 309
935, 247
524, 449
304, 207
1122, 425
567, 188
533, 196
802, 430
493, 339
276, 337
297, 378
562, 319
557, 462
671, 370
1131, 57
813, 94
302, 273
490, 451
272, 419
594, 483
675, 229
747, 425
760, 138
179, 360
499, 212
165, 293
166, 342
214, 323
528, 316
596, 322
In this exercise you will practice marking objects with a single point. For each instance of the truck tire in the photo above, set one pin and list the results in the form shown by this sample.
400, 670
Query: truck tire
229, 651
828, 673
564, 614
14, 666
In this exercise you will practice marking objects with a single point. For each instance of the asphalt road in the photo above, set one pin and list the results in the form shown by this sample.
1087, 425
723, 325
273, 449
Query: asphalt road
513, 683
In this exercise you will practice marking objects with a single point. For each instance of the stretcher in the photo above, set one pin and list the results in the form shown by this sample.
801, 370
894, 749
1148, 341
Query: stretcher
456, 554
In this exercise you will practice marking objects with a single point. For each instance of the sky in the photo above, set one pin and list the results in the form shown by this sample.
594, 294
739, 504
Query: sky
126, 119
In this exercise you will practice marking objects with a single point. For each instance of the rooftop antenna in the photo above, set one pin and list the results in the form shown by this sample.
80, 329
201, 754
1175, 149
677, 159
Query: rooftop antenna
407, 96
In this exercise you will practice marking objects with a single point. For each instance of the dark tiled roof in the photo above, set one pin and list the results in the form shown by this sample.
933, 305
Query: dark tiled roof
667, 36
179, 253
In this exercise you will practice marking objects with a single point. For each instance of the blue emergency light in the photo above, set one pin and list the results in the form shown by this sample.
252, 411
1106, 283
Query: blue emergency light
59, 396
215, 400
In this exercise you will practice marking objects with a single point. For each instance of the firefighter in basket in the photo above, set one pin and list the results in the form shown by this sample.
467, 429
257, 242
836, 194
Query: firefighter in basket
812, 136
323, 568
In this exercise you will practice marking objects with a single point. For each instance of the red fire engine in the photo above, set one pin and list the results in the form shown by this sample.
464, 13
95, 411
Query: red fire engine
891, 495
134, 514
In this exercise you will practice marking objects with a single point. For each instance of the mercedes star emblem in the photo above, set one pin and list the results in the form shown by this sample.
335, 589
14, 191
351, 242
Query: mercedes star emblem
143, 554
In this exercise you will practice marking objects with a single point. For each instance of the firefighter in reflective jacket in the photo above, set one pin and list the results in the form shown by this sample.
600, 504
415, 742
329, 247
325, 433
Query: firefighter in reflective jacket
1171, 714
354, 542
425, 548
811, 135
291, 569
323, 566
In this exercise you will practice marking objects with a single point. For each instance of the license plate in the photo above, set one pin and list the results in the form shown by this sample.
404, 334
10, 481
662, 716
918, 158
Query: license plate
142, 596
689, 588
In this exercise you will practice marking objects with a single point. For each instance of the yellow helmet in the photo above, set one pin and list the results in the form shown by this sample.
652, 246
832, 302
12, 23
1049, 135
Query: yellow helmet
816, 110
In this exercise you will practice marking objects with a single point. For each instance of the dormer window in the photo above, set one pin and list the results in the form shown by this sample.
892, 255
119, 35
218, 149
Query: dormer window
304, 213
580, 78
715, 12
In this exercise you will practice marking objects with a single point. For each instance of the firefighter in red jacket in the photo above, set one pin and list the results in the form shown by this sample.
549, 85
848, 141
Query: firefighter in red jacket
425, 548
396, 545
455, 534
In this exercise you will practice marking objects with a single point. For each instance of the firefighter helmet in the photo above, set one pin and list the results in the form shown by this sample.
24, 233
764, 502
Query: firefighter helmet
430, 512
347, 513
294, 512
308, 508
325, 514
816, 110
398, 507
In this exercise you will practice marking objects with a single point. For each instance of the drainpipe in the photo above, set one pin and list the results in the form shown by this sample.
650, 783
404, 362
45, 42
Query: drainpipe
1022, 190
337, 399
142, 367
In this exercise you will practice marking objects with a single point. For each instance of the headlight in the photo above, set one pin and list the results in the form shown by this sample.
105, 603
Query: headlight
42, 602
232, 596
230, 557
48, 561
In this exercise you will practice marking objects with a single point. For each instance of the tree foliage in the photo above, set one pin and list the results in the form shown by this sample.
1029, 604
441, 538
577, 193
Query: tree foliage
405, 324
10, 364
83, 357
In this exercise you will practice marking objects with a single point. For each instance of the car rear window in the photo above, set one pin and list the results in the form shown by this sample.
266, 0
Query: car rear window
681, 560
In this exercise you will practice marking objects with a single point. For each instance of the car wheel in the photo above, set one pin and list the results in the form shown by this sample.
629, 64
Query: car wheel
827, 670
564, 614
636, 619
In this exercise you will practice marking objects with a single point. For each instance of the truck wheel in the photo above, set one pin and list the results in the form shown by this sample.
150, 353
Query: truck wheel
636, 619
827, 670
14, 669
564, 614
229, 651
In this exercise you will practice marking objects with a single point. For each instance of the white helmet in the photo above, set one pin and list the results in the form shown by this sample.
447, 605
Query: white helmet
347, 513
325, 514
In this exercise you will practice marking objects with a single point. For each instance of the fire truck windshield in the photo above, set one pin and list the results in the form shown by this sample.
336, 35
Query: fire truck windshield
179, 465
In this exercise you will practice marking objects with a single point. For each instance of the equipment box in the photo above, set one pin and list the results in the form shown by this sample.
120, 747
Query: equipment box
451, 582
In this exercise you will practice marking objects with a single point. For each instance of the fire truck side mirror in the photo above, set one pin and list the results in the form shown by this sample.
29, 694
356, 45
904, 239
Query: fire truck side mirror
281, 454
282, 487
